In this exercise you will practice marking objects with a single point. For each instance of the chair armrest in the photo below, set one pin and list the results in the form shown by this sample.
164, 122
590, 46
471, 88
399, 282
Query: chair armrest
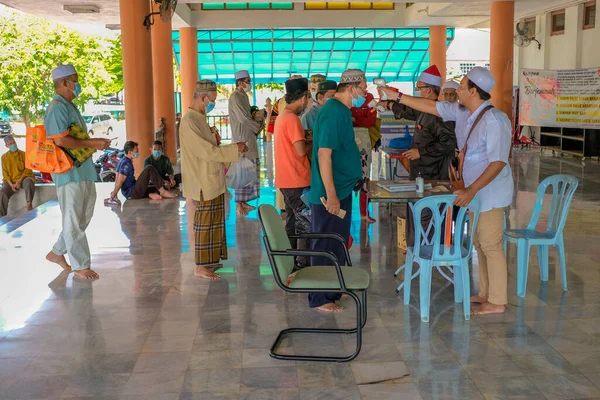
327, 235
323, 253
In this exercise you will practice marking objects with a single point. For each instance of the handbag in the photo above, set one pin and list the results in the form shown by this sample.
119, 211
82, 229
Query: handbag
42, 154
455, 168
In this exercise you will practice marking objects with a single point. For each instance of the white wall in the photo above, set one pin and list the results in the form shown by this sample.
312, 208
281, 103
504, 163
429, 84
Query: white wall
576, 48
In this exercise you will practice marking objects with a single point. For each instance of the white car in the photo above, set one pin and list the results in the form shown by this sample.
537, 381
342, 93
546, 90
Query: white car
99, 124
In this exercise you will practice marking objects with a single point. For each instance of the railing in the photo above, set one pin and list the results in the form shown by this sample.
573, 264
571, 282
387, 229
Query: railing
221, 122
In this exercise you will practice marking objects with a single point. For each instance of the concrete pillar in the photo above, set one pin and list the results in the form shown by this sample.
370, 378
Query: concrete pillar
188, 42
501, 53
137, 76
164, 82
437, 49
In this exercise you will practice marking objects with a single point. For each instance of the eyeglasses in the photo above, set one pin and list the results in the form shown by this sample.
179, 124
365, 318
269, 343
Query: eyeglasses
419, 88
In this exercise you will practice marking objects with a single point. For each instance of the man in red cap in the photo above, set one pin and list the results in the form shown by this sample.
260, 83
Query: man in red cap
434, 141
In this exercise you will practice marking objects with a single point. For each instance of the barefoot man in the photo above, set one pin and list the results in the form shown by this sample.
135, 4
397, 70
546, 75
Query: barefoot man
202, 164
486, 173
335, 170
76, 188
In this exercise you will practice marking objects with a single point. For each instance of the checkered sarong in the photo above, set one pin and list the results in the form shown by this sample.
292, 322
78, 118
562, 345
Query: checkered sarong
209, 232
250, 191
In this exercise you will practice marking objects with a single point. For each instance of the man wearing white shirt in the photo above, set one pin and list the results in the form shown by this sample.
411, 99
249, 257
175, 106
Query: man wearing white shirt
486, 173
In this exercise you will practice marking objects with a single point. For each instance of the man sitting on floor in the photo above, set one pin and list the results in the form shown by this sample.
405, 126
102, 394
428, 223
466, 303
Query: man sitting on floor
15, 176
140, 188
163, 165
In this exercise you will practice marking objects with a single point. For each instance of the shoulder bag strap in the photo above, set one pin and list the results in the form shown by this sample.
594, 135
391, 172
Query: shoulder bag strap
479, 117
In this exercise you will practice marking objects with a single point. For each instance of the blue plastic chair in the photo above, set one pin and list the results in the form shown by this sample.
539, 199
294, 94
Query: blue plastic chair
563, 188
455, 257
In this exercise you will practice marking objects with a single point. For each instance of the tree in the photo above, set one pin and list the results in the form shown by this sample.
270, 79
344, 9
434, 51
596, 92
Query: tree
271, 86
30, 48
113, 64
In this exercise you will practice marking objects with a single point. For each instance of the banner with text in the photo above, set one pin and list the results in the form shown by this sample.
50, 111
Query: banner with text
563, 98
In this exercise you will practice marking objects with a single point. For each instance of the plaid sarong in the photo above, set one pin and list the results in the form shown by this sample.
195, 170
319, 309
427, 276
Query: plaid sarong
250, 191
209, 232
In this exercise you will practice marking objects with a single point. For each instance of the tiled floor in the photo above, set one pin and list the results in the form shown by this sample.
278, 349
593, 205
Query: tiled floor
150, 330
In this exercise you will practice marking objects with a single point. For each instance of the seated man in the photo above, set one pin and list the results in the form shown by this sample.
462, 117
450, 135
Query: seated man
140, 188
15, 176
163, 165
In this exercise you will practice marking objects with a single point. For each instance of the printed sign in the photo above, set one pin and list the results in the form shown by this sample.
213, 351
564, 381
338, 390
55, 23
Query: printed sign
563, 98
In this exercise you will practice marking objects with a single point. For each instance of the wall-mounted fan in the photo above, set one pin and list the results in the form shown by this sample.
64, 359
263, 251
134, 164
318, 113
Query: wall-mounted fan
166, 11
523, 37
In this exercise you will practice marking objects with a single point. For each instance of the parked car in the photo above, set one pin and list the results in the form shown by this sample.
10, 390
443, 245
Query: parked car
99, 124
5, 128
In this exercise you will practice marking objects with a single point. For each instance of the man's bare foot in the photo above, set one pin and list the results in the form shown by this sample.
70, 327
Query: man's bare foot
241, 210
167, 194
368, 219
60, 260
155, 196
478, 299
205, 273
488, 308
330, 307
248, 207
85, 274
29, 206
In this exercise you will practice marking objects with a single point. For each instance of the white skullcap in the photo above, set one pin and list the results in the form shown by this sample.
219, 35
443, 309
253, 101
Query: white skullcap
242, 74
63, 71
353, 76
483, 78
451, 85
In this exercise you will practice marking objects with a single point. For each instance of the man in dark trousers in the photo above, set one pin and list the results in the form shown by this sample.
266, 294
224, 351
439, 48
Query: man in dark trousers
335, 170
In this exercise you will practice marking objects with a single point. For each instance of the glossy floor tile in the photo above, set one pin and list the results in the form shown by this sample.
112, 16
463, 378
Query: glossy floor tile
148, 329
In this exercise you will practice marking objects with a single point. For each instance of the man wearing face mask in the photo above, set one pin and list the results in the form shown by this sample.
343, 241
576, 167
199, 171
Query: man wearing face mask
325, 91
147, 183
449, 91
291, 162
15, 176
76, 188
335, 171
244, 129
163, 165
202, 164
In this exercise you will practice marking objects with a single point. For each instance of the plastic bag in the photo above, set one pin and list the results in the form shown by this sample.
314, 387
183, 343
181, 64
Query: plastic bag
241, 174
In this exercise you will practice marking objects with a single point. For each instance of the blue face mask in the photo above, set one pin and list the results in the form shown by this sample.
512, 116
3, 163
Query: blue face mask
136, 155
13, 147
358, 102
156, 153
77, 90
210, 106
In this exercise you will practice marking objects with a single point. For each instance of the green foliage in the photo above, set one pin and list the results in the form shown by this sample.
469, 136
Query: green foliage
30, 48
270, 86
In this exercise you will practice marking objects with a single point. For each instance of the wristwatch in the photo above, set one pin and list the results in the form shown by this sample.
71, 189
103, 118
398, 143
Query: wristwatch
399, 97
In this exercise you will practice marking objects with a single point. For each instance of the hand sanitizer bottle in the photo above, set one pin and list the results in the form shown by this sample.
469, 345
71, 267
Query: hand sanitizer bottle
420, 184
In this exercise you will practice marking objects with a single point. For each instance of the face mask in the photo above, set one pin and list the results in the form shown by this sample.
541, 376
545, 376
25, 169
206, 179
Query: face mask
314, 96
247, 88
136, 155
155, 153
13, 147
359, 101
77, 90
210, 106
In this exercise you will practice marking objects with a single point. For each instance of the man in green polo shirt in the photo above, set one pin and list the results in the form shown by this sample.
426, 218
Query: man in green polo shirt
163, 165
335, 170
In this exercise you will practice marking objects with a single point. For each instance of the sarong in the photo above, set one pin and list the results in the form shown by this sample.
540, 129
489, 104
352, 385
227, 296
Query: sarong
209, 232
250, 191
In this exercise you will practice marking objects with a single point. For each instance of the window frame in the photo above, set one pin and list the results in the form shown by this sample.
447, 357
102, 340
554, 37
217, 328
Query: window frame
555, 32
585, 10
247, 8
373, 6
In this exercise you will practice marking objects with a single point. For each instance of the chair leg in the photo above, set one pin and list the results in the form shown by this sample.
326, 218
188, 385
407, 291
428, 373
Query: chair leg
522, 266
466, 288
562, 261
364, 306
505, 249
458, 284
408, 257
408, 268
543, 261
425, 290
360, 321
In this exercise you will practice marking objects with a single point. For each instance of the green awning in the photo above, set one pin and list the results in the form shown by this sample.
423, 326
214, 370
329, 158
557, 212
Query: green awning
273, 55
